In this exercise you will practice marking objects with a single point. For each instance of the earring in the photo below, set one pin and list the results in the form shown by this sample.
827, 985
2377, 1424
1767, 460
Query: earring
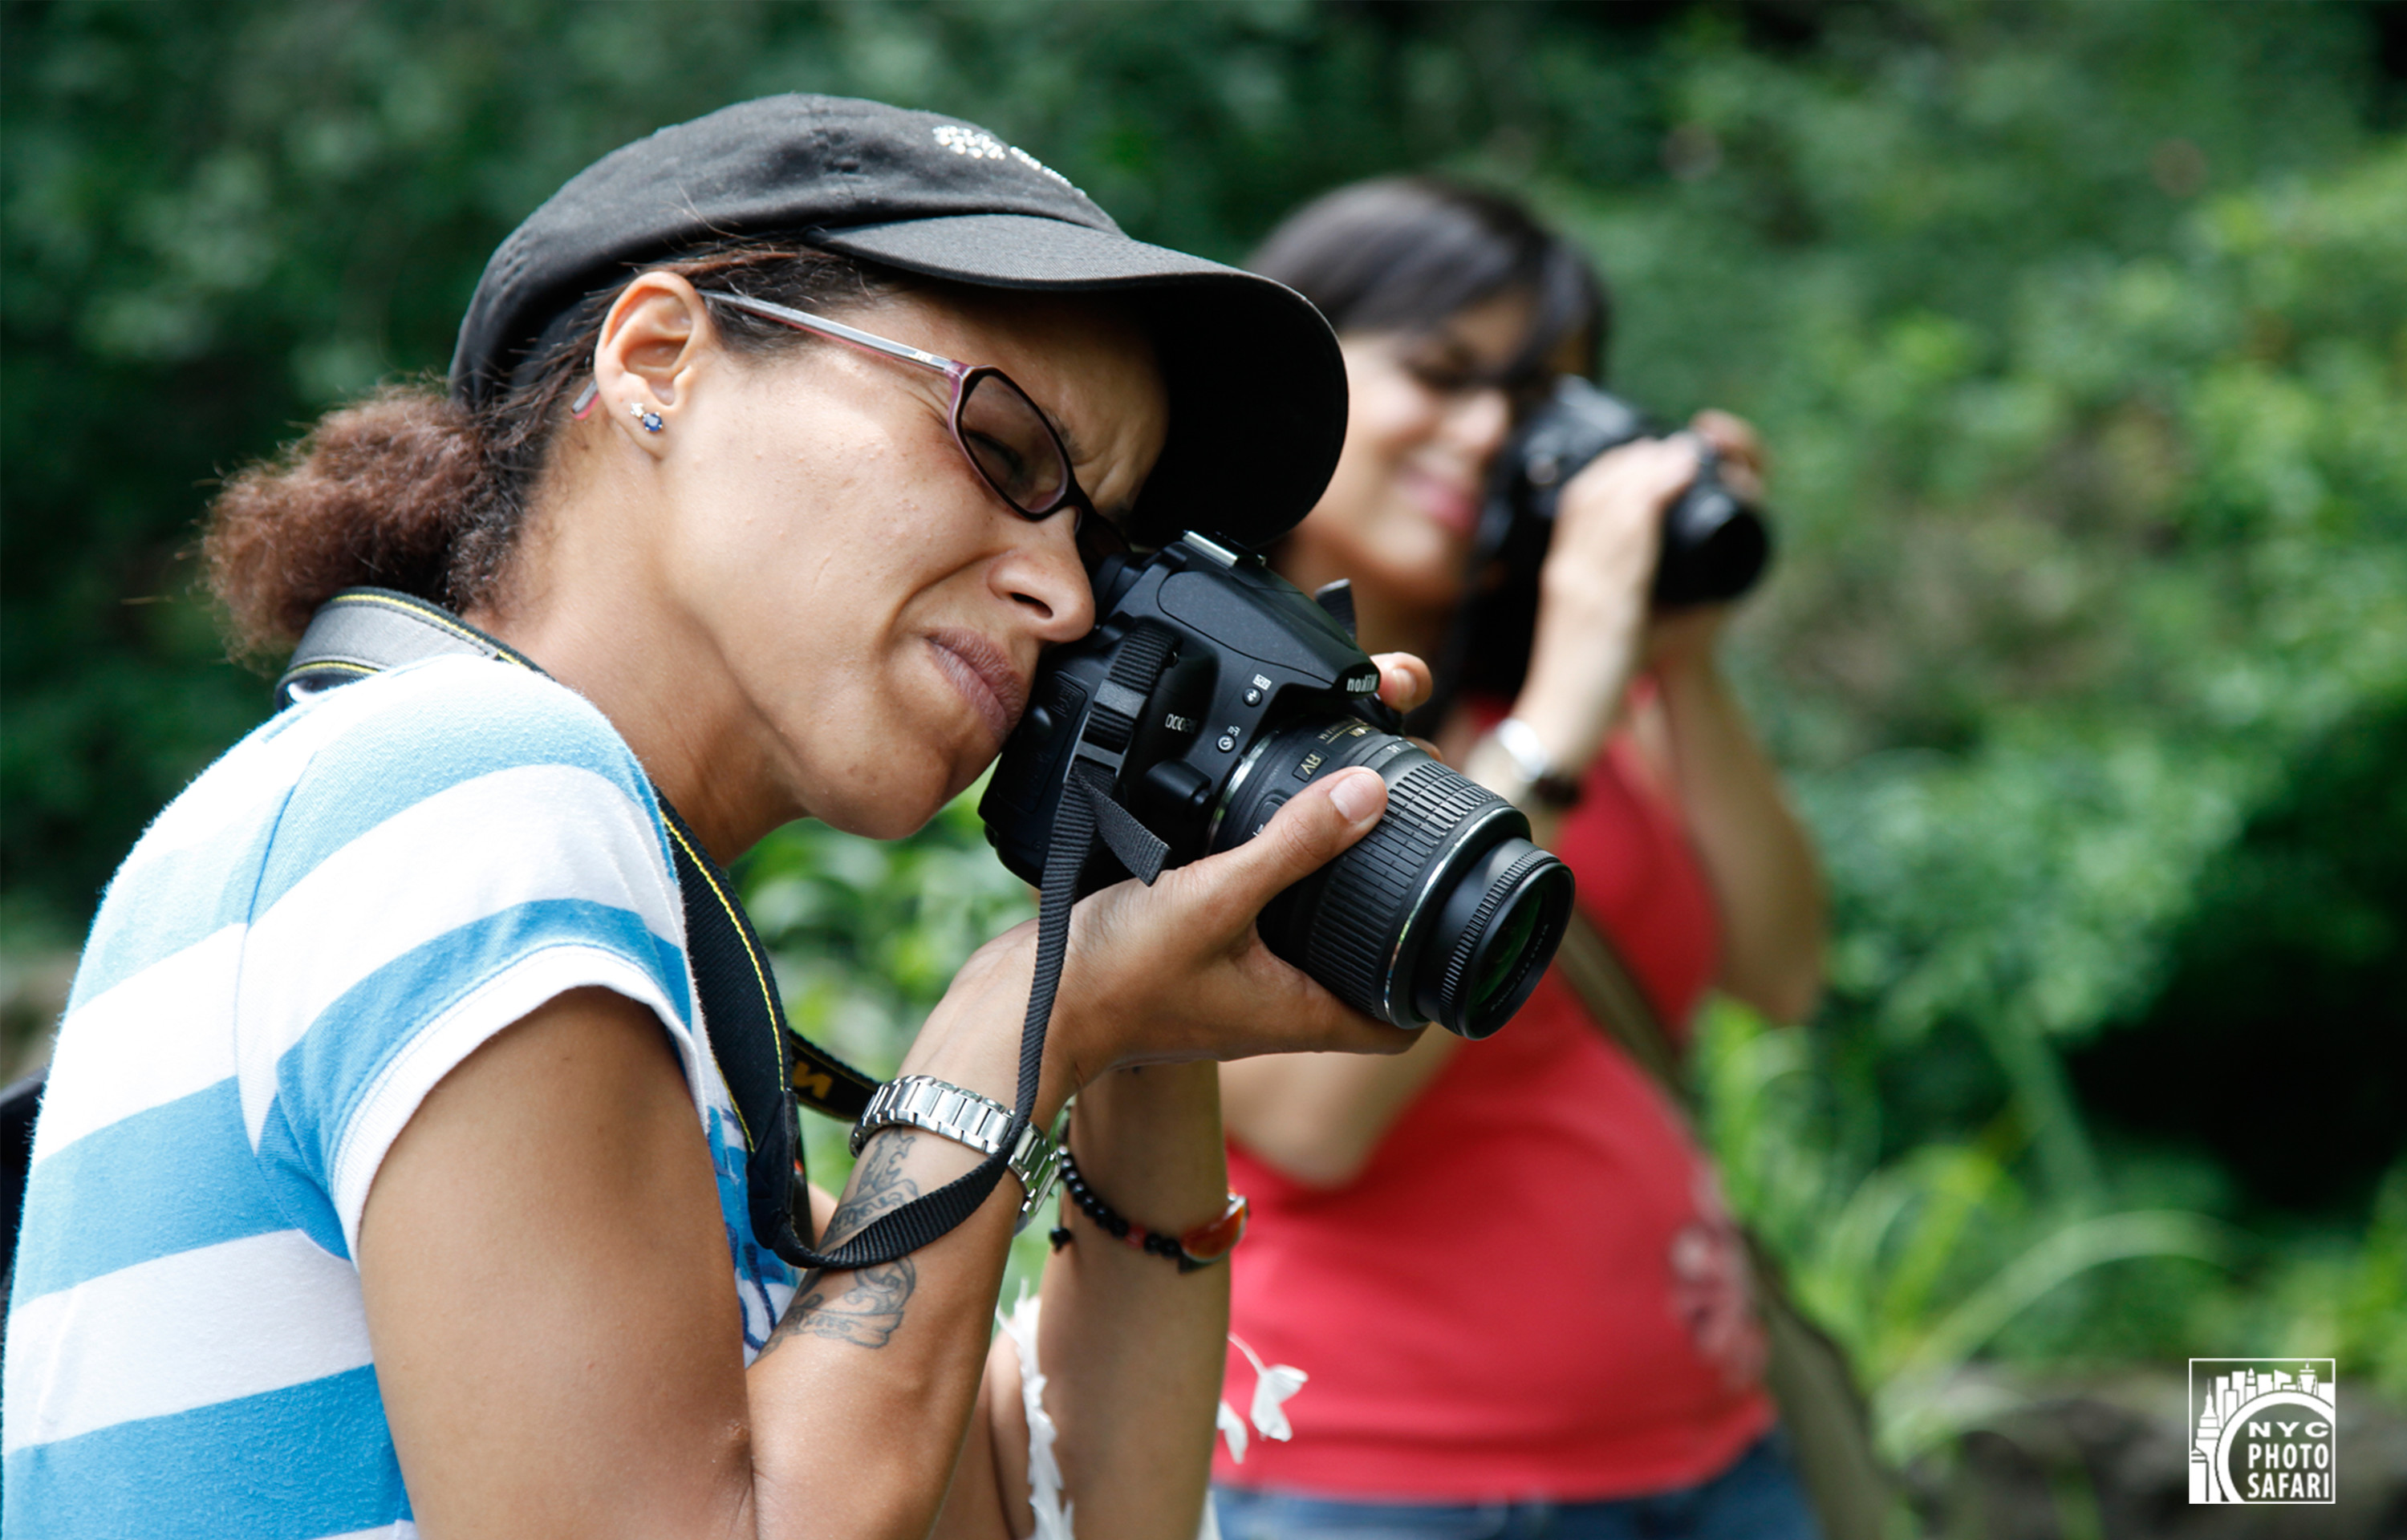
645, 414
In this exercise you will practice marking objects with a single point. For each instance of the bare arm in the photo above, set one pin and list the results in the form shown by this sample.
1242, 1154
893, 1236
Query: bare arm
1316, 1118
547, 1289
547, 1277
1132, 1348
552, 1203
1767, 885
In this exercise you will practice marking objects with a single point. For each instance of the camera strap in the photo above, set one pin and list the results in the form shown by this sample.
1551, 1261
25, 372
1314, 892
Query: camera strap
1086, 815
767, 1065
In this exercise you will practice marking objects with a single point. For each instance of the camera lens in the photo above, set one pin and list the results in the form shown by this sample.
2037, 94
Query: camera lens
1714, 546
1496, 933
1444, 912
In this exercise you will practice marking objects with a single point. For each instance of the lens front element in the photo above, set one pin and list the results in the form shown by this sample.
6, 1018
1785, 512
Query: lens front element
1444, 912
1497, 932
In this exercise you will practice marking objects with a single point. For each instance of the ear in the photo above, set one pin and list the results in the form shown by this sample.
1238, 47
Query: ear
650, 356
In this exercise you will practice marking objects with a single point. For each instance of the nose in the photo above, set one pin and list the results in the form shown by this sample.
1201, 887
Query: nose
1477, 422
1041, 573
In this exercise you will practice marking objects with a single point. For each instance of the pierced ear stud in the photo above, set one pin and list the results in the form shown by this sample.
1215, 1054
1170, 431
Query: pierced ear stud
645, 414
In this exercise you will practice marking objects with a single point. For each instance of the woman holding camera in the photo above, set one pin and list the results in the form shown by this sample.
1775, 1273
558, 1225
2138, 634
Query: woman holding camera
386, 1176
1506, 1265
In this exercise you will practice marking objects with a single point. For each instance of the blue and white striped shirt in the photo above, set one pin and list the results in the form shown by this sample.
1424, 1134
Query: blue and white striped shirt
327, 922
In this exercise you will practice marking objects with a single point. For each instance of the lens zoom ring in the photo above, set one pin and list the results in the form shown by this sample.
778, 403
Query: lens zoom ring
1458, 965
1369, 885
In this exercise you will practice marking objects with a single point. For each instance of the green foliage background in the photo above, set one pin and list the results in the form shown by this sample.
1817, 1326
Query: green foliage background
2080, 336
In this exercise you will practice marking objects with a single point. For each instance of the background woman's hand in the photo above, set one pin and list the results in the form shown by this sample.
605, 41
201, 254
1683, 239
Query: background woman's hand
1595, 623
1741, 448
1686, 637
1592, 593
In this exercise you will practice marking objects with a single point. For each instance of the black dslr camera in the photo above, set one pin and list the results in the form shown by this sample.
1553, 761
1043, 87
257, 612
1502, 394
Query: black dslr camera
1716, 544
1212, 691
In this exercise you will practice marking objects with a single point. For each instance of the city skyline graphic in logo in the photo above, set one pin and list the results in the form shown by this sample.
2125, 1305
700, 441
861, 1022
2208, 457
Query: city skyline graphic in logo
2262, 1429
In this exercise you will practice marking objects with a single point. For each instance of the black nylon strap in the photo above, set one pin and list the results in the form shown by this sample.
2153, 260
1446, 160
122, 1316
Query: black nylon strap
1086, 801
360, 631
745, 1023
1139, 848
924, 1218
720, 938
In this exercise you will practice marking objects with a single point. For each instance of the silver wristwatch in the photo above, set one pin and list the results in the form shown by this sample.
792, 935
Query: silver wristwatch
1534, 776
941, 1107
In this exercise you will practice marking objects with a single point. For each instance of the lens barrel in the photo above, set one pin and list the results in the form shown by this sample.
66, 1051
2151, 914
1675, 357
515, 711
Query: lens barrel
1714, 545
1444, 912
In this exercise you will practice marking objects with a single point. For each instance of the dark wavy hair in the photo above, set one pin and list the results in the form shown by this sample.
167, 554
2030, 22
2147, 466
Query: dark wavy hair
1410, 251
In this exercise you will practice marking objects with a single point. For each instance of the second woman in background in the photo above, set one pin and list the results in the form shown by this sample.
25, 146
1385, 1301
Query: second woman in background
1506, 1265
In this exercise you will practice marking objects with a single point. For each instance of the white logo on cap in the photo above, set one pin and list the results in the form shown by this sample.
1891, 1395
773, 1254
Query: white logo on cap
978, 145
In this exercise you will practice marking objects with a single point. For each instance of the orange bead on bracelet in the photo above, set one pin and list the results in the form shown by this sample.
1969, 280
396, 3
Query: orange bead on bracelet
1201, 1247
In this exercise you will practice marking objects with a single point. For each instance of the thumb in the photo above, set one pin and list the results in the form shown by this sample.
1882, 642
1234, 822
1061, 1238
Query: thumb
1305, 836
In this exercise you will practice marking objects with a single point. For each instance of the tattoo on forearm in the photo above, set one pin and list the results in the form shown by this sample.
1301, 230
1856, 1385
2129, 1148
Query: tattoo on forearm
871, 1305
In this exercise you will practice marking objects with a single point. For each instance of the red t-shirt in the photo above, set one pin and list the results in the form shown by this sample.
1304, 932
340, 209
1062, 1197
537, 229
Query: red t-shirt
1532, 1289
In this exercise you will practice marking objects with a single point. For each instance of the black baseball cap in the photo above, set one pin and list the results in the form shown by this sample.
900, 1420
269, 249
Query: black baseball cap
1257, 385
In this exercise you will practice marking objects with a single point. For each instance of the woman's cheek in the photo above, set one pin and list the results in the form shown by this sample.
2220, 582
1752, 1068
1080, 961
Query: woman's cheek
1392, 418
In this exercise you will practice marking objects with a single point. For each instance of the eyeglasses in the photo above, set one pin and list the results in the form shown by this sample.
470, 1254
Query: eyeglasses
1524, 382
1001, 433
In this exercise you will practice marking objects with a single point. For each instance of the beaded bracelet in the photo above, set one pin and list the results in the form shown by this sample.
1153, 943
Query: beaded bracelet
1201, 1247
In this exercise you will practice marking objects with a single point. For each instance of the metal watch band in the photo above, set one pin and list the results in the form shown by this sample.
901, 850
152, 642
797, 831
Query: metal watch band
1544, 782
948, 1110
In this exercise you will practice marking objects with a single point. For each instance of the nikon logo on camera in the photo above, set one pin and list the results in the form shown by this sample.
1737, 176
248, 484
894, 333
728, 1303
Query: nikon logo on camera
2261, 1430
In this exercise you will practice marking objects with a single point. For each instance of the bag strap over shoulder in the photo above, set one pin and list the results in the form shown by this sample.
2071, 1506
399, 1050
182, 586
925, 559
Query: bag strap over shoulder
1617, 1005
1809, 1377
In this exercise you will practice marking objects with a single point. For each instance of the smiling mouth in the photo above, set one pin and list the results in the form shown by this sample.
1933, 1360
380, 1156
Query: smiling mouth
1450, 505
985, 677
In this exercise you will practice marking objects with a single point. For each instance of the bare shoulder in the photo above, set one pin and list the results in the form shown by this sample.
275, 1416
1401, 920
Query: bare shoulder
545, 1276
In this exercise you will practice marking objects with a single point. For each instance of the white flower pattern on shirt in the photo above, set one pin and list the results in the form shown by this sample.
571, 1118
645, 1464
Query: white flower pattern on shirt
1713, 1288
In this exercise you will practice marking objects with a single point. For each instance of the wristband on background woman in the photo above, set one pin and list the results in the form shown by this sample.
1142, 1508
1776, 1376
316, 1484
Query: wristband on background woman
1513, 761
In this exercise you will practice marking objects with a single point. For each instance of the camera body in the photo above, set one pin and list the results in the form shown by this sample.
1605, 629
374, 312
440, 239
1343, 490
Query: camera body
1715, 544
1210, 692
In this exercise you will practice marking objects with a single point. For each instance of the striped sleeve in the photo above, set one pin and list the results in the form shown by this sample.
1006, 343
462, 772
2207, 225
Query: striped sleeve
481, 844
